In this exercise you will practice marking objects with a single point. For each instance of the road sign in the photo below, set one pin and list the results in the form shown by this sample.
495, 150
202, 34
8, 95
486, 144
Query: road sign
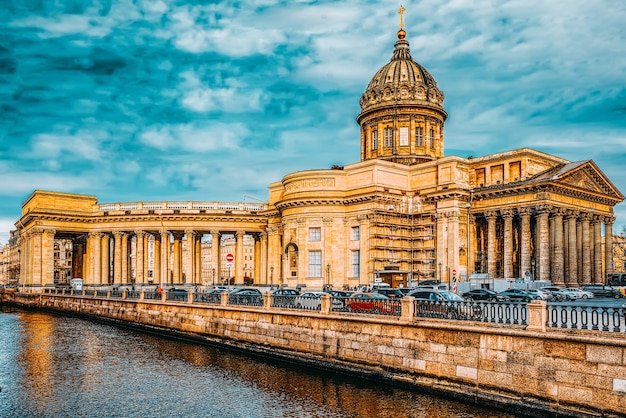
454, 272
454, 287
230, 258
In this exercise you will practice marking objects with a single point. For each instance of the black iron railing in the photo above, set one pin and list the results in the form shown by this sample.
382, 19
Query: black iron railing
587, 317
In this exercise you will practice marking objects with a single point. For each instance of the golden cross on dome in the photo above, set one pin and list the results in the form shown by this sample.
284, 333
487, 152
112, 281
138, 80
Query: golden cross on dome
401, 12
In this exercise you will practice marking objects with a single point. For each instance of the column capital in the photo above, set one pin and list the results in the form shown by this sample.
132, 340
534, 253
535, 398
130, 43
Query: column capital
586, 216
95, 234
556, 211
117, 233
490, 214
453, 214
524, 211
507, 213
140, 233
572, 214
543, 209
609, 219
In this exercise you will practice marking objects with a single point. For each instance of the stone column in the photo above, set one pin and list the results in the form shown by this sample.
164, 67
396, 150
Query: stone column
597, 249
525, 238
47, 249
257, 261
507, 215
199, 274
453, 243
117, 257
176, 265
543, 233
557, 262
263, 258
96, 277
165, 257
190, 257
579, 249
608, 246
147, 258
441, 254
25, 256
156, 273
586, 253
125, 264
239, 257
491, 242
216, 237
139, 257
35, 276
105, 262
572, 261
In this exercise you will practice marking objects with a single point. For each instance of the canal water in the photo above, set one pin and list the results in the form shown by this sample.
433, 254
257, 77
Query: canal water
60, 366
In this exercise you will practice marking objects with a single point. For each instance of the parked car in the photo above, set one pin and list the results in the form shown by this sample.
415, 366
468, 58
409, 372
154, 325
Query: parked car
390, 292
174, 293
285, 298
603, 291
519, 295
313, 301
434, 303
485, 294
245, 296
542, 294
575, 293
617, 279
557, 292
372, 302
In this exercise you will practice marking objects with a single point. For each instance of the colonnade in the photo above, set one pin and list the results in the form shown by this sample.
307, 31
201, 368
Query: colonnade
552, 243
111, 257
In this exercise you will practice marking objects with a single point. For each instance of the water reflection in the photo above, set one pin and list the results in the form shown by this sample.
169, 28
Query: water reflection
64, 366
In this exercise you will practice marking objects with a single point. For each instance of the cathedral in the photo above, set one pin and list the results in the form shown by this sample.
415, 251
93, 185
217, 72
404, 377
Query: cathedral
404, 213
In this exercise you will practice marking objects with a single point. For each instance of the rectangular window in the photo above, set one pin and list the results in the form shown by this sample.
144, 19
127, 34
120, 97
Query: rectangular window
404, 136
431, 138
315, 264
374, 139
315, 234
356, 233
388, 137
419, 136
356, 263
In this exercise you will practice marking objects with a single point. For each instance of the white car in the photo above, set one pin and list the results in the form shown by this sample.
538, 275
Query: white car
541, 294
576, 293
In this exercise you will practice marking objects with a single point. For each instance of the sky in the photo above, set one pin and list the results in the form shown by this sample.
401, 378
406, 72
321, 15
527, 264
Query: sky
156, 100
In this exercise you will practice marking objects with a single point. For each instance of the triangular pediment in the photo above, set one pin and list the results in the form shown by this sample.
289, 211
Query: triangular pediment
583, 176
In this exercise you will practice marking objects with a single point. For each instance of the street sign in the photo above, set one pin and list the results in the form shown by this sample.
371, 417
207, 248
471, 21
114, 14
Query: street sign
230, 258
454, 272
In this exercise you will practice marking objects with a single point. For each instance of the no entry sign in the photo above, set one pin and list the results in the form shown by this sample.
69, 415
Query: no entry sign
230, 258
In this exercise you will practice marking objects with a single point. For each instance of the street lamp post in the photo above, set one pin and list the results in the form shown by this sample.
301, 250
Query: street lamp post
468, 206
272, 277
213, 276
328, 276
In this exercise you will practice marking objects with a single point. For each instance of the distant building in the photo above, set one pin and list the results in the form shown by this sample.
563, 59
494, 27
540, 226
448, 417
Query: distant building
404, 213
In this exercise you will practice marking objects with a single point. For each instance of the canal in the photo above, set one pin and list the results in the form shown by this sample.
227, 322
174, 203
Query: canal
61, 366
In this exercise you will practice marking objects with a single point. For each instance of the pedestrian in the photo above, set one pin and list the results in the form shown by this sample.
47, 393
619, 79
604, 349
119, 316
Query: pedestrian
159, 290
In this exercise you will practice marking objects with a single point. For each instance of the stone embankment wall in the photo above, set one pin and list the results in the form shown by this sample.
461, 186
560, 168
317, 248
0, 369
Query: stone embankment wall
540, 373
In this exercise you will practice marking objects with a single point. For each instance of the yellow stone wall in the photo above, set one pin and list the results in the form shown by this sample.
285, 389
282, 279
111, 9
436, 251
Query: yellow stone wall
561, 371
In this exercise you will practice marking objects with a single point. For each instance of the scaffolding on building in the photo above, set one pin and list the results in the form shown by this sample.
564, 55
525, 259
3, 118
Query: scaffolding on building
402, 241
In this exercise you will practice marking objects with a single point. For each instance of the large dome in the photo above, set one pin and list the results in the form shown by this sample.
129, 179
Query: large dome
401, 81
402, 112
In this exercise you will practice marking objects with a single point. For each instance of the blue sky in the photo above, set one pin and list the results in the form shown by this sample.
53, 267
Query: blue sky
196, 100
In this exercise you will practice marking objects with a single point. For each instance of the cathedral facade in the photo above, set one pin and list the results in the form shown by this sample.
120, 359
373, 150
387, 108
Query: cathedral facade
403, 214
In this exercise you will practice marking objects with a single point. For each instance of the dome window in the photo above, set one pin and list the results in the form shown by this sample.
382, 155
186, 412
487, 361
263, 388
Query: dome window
388, 137
419, 136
